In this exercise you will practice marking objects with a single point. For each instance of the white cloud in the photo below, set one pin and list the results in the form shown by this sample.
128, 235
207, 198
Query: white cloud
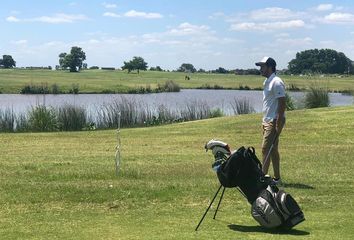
110, 14
282, 35
338, 18
109, 5
60, 18
272, 14
133, 13
12, 19
53, 44
268, 26
324, 7
189, 29
20, 42
217, 15
290, 42
55, 19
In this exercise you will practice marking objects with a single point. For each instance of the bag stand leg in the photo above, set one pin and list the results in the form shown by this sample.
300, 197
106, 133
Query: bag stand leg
217, 208
216, 194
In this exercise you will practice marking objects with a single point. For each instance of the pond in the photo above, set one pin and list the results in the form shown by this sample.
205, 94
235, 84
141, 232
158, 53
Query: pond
222, 99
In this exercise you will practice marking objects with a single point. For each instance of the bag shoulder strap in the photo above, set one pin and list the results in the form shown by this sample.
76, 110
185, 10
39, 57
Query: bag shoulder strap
250, 153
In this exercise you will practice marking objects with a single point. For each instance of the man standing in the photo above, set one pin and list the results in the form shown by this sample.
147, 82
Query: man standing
274, 105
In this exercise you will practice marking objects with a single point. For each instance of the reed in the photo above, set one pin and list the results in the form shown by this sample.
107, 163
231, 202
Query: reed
195, 110
289, 102
22, 123
42, 119
317, 97
242, 106
131, 112
7, 120
71, 118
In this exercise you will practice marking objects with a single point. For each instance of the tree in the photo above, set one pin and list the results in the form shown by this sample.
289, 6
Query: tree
137, 63
157, 68
221, 70
74, 60
7, 61
62, 62
186, 67
320, 61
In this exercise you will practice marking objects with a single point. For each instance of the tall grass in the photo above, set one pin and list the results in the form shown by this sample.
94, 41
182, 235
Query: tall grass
169, 86
289, 102
242, 106
35, 89
131, 112
317, 97
7, 120
71, 118
42, 119
195, 110
22, 123
125, 108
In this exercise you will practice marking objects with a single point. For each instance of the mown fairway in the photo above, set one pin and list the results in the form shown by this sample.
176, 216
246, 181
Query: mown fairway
63, 185
98, 81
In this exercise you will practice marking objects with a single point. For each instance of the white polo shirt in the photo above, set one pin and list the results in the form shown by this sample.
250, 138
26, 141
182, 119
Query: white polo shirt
273, 88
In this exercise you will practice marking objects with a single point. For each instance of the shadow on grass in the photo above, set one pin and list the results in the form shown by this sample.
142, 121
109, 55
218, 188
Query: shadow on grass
297, 185
240, 228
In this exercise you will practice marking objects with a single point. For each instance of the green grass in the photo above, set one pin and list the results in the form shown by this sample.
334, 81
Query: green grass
99, 81
63, 185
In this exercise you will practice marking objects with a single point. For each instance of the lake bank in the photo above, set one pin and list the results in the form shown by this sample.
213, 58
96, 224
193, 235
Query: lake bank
101, 81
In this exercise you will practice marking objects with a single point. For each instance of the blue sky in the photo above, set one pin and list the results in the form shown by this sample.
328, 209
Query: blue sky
209, 34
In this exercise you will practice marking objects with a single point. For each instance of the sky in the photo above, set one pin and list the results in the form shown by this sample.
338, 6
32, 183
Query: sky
206, 33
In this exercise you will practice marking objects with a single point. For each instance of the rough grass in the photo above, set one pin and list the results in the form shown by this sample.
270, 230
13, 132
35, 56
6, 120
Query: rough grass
100, 81
63, 185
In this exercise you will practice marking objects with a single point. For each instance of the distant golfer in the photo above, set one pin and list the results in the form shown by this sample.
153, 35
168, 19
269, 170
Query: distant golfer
273, 114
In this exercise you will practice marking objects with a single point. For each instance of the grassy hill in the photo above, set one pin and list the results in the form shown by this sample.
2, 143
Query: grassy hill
63, 185
99, 81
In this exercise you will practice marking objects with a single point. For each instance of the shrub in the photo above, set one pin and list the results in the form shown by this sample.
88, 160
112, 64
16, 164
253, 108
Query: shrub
141, 90
74, 88
108, 68
169, 86
207, 86
55, 89
35, 89
241, 87
316, 97
289, 102
217, 112
42, 119
293, 87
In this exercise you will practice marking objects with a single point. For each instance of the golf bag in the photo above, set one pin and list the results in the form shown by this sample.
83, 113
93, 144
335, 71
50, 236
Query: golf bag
242, 169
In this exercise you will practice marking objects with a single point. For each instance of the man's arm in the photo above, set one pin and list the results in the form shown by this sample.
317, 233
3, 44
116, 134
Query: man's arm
280, 114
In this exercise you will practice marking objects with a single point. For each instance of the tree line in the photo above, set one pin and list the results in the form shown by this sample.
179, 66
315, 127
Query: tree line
313, 61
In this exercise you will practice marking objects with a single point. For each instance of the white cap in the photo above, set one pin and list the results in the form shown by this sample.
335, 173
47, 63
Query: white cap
270, 62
